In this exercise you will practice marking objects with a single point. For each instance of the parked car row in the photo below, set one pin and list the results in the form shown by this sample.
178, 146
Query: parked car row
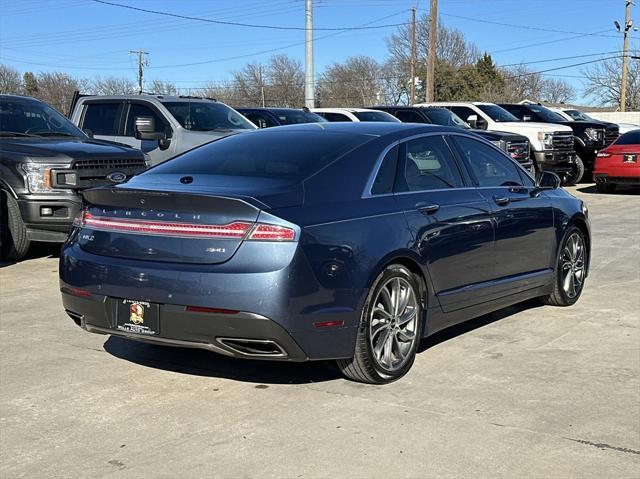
46, 160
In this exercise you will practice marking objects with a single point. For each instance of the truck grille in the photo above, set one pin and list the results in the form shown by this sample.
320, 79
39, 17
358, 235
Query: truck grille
518, 150
111, 164
563, 140
611, 135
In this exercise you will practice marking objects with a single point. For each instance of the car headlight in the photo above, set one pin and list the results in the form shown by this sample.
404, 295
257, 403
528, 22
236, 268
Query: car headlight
594, 134
546, 139
39, 178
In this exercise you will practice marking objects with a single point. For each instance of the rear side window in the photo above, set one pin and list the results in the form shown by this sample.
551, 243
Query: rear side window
136, 110
374, 116
630, 138
102, 118
429, 165
269, 153
408, 116
335, 116
383, 182
489, 166
463, 112
261, 120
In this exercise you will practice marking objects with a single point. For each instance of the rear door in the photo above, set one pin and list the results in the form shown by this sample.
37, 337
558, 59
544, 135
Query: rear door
525, 233
103, 118
450, 221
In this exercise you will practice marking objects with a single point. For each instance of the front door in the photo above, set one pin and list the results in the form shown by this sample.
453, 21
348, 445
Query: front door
524, 220
451, 223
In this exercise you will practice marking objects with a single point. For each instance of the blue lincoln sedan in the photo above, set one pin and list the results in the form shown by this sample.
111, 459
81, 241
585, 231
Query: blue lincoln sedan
328, 241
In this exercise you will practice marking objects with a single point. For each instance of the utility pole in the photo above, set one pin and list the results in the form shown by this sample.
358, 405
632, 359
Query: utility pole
308, 54
412, 85
625, 51
261, 87
142, 62
431, 54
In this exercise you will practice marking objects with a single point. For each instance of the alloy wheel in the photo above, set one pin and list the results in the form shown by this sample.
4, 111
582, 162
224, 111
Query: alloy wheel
393, 324
572, 263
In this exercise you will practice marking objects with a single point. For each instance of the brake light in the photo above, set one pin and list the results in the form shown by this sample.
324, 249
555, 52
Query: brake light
603, 154
264, 232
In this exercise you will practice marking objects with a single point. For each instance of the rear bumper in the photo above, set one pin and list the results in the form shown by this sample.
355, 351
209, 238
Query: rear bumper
283, 305
241, 334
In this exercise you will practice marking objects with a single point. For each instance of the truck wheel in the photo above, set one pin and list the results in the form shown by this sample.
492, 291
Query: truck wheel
13, 233
389, 331
605, 187
576, 173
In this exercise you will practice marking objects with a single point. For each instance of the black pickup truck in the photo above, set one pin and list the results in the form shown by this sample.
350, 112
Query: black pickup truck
516, 146
589, 137
45, 162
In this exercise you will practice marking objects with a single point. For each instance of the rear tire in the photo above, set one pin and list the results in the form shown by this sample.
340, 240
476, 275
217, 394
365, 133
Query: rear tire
605, 187
570, 271
13, 233
389, 331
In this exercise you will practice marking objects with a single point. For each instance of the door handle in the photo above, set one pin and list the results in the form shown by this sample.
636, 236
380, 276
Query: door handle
427, 208
501, 200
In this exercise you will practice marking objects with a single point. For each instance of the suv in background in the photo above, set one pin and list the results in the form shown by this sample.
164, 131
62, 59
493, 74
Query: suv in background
516, 146
354, 114
268, 117
551, 146
571, 114
162, 126
589, 136
45, 161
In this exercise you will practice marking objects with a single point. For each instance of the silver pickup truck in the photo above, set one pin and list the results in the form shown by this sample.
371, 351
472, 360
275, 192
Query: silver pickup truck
160, 125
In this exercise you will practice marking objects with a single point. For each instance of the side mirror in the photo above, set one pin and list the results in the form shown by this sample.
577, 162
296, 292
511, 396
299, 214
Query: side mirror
547, 180
473, 121
88, 132
145, 129
526, 118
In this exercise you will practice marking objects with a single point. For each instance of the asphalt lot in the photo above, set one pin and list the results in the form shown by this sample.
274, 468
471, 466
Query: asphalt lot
531, 391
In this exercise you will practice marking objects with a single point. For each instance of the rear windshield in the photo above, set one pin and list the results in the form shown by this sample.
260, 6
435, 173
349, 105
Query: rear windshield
630, 138
267, 153
207, 116
375, 116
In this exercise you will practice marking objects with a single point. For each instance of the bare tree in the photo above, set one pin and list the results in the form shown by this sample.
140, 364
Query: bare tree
356, 82
603, 79
162, 87
57, 89
286, 81
112, 86
10, 80
250, 85
522, 83
556, 90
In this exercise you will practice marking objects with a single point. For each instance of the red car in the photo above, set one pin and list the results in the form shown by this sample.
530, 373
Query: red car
618, 163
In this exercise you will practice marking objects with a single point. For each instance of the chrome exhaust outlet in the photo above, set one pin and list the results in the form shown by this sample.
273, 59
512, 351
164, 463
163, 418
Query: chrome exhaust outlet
254, 347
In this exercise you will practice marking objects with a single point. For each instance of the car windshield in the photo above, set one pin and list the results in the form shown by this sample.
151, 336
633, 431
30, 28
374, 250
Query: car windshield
497, 113
207, 116
270, 153
375, 116
294, 117
546, 114
578, 115
22, 117
444, 117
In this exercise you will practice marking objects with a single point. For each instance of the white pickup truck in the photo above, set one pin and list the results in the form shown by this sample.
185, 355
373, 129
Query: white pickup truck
551, 145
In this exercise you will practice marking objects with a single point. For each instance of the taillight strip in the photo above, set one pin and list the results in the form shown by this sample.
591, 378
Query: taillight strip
236, 230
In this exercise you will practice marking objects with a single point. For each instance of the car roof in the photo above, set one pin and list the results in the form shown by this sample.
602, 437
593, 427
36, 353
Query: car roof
147, 97
340, 110
7, 96
454, 103
370, 128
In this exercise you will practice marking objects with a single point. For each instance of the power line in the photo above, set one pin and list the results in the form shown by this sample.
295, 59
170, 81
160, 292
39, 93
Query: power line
240, 24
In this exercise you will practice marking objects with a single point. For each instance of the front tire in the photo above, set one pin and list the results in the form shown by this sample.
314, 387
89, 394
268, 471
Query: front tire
570, 271
14, 243
577, 173
389, 331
